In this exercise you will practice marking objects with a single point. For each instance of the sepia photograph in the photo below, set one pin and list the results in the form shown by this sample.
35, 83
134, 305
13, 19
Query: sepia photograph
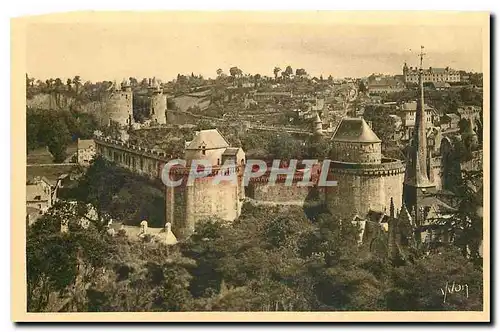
251, 166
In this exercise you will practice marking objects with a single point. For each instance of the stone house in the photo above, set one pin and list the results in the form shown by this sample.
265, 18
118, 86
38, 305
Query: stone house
408, 112
86, 151
38, 197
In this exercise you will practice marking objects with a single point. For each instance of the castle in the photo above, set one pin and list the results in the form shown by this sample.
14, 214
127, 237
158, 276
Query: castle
119, 104
369, 186
366, 180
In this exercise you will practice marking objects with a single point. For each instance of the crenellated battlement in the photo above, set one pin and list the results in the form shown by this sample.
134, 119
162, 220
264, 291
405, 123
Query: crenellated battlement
131, 148
388, 166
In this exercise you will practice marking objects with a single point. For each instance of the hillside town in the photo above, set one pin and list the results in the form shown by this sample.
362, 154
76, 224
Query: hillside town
405, 150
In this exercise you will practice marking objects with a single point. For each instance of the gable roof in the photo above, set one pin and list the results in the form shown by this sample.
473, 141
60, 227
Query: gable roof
210, 139
355, 130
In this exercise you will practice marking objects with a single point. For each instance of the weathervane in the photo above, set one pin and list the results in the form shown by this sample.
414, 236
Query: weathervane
421, 56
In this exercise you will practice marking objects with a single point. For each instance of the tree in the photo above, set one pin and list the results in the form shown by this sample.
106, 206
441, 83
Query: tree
98, 187
58, 140
234, 71
68, 85
219, 72
133, 81
382, 123
59, 264
276, 71
77, 82
300, 72
466, 222
423, 285
362, 88
288, 71
285, 147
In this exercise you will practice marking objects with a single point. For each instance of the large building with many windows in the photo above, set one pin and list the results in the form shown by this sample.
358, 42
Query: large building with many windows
410, 74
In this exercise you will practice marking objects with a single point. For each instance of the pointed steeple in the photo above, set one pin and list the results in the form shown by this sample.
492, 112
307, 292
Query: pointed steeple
417, 183
417, 172
318, 125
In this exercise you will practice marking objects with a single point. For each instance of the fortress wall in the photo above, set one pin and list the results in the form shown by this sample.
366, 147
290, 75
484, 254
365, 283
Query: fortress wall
204, 199
365, 188
262, 191
394, 189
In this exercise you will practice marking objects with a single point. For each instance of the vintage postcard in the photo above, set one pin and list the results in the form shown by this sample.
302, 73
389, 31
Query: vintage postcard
251, 167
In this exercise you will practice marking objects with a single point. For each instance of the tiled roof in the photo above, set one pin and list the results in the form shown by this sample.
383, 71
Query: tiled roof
383, 81
441, 85
355, 130
210, 139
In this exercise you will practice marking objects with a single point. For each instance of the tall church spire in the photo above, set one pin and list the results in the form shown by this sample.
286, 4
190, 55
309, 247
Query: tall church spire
417, 180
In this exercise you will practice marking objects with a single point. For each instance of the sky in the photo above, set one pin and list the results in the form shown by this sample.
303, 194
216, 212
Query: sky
107, 50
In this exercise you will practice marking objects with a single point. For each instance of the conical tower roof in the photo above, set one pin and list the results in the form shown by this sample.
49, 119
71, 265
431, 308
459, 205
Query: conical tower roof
355, 130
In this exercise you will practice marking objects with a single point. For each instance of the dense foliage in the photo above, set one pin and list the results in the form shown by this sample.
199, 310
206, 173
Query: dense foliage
269, 259
56, 129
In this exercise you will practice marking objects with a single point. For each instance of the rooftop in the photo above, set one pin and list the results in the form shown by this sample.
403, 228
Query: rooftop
355, 130
412, 106
210, 139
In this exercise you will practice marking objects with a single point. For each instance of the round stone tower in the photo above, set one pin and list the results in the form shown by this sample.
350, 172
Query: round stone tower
204, 198
158, 103
365, 180
119, 105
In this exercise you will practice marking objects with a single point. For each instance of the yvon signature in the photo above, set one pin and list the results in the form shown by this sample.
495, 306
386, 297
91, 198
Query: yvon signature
454, 288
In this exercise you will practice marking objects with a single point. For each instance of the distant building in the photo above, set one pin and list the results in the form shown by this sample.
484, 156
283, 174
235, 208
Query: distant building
384, 84
447, 74
469, 112
440, 86
86, 151
408, 113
